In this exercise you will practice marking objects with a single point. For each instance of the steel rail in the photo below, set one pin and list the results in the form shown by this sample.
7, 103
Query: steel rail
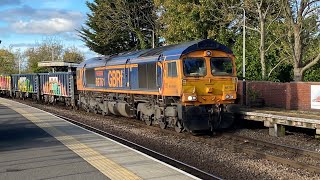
278, 159
178, 164
207, 140
275, 158
276, 146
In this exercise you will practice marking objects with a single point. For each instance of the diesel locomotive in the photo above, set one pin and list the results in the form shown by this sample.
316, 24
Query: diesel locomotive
189, 86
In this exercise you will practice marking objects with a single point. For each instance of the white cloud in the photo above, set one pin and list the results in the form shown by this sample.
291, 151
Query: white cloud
44, 26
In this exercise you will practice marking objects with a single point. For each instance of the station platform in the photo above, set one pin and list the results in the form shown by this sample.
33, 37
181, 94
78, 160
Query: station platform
276, 119
38, 145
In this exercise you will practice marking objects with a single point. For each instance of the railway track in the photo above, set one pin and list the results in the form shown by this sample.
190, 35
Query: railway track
236, 143
282, 160
254, 149
178, 164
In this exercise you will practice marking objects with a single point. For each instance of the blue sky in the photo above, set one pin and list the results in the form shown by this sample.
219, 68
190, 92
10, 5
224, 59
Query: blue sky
23, 23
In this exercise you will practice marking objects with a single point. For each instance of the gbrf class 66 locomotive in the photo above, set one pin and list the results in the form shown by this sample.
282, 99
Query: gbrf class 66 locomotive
187, 86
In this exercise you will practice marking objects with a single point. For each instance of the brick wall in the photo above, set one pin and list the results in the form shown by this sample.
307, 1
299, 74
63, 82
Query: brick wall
293, 95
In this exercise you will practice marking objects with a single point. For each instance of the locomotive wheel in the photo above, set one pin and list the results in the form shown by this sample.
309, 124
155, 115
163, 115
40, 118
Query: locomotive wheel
178, 127
148, 121
163, 124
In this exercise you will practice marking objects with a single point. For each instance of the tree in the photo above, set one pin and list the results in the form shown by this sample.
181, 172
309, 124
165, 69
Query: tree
118, 25
302, 30
189, 20
261, 17
50, 49
73, 55
7, 62
35, 55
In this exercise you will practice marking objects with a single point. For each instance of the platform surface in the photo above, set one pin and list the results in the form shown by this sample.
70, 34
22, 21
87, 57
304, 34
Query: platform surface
37, 145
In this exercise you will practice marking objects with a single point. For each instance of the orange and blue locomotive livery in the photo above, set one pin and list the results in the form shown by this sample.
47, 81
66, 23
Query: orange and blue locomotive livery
186, 86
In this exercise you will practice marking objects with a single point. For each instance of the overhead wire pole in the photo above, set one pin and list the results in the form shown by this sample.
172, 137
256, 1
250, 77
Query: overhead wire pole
244, 91
52, 56
152, 38
19, 64
244, 86
153, 43
244, 46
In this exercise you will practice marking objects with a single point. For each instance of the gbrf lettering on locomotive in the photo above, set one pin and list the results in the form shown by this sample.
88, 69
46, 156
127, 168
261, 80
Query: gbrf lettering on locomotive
115, 78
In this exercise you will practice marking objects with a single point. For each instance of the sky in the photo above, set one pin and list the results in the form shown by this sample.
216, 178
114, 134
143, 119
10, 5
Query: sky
23, 23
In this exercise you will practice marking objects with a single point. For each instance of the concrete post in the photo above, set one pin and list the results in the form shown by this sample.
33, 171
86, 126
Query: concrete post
277, 130
317, 134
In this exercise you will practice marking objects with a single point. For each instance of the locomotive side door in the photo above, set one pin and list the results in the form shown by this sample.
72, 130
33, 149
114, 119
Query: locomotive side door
171, 80
127, 74
159, 74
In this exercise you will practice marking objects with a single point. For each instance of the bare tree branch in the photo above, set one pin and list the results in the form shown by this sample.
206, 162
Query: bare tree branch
273, 20
276, 66
311, 2
311, 63
254, 29
278, 38
310, 10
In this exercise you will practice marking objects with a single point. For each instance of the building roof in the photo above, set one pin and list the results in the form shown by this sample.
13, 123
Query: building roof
56, 64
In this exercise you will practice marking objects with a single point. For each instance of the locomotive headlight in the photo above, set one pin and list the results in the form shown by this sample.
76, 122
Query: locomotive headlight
192, 98
207, 53
229, 96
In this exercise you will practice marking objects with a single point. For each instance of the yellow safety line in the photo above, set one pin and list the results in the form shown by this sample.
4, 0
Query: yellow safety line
106, 166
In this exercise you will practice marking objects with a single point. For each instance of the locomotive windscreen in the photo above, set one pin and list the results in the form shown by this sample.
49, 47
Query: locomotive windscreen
89, 77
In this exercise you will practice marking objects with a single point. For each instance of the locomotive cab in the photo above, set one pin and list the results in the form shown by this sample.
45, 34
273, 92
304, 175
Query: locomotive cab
209, 79
208, 86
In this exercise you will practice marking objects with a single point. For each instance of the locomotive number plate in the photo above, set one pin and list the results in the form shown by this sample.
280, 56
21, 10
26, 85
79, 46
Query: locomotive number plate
228, 87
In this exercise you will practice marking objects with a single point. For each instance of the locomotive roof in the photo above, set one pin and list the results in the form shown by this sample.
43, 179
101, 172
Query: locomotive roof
169, 52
